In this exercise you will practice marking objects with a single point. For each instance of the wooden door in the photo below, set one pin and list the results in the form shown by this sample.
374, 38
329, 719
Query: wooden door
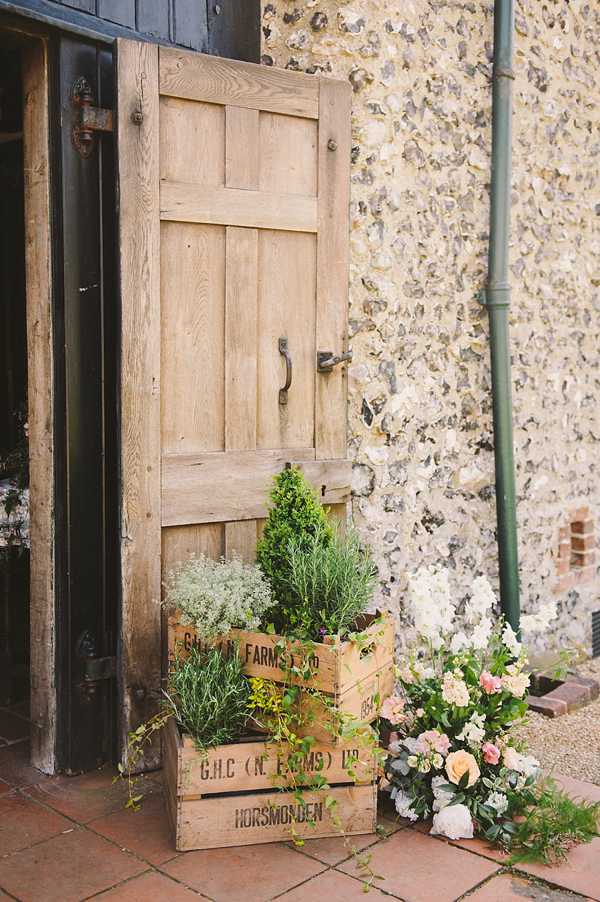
233, 231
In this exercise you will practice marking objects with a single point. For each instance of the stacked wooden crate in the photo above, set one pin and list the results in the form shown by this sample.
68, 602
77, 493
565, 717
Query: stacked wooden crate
235, 794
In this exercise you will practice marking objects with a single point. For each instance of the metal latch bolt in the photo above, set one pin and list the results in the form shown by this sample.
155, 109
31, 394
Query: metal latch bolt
326, 360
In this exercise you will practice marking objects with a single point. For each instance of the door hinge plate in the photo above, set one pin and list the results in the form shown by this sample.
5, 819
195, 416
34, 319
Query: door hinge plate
100, 668
90, 119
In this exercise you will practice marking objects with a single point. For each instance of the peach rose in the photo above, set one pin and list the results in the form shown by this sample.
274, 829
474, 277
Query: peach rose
458, 763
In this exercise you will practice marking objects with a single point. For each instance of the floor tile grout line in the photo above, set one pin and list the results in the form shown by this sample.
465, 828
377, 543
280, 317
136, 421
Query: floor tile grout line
10, 895
550, 885
85, 826
374, 884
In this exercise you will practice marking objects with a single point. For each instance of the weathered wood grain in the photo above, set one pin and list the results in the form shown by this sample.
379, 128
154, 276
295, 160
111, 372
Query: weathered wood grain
216, 487
239, 820
241, 335
332, 266
184, 202
242, 148
192, 337
40, 376
139, 240
286, 309
198, 77
287, 147
192, 142
252, 764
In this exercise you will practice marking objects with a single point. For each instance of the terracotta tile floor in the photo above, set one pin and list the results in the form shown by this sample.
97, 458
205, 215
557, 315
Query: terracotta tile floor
69, 839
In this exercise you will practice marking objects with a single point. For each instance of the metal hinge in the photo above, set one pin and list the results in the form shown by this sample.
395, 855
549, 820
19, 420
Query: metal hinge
95, 668
91, 119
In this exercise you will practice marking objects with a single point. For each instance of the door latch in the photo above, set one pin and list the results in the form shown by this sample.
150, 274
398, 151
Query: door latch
91, 119
326, 360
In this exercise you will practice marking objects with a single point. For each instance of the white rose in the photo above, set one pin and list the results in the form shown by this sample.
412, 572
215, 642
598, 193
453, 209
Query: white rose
453, 821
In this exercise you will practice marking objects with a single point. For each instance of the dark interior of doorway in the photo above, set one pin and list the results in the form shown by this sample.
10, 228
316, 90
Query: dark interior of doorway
14, 554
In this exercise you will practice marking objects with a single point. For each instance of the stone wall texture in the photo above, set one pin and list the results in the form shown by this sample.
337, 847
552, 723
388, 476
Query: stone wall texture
420, 421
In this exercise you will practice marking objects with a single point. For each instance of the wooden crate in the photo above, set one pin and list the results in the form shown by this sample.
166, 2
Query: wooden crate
227, 798
352, 676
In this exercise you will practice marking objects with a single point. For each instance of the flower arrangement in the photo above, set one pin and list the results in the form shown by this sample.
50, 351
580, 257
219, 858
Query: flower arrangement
451, 753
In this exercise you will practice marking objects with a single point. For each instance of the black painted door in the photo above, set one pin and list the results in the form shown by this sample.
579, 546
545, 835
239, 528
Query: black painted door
86, 320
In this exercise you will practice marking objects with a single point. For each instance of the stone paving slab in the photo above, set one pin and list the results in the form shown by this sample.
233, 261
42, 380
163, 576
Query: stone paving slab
69, 839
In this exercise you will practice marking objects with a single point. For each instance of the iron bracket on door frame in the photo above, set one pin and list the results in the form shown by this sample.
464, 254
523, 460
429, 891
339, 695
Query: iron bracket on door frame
91, 119
96, 668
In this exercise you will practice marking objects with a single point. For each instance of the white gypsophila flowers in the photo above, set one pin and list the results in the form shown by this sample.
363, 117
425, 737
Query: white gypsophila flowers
537, 623
216, 596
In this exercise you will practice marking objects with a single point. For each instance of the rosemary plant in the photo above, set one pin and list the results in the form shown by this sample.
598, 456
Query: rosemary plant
208, 696
328, 582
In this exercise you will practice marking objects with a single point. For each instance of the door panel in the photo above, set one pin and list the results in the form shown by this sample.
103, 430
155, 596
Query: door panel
240, 182
192, 337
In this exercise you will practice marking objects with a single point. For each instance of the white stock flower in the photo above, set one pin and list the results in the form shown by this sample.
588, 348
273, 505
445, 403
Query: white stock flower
537, 623
509, 638
481, 633
473, 732
459, 641
481, 601
431, 604
453, 821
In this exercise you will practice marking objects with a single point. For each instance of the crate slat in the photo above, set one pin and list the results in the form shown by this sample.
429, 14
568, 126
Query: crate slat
253, 765
245, 819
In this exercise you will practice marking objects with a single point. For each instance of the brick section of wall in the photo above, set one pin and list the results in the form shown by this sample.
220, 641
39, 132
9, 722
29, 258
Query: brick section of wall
576, 563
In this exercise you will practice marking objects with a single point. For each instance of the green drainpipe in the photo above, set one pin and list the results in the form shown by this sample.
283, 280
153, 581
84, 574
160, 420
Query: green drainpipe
497, 301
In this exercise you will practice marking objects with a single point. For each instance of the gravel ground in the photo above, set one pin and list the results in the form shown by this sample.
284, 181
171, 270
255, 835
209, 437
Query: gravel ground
569, 744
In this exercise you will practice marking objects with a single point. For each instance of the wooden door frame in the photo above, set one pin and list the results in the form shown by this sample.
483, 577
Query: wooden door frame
40, 362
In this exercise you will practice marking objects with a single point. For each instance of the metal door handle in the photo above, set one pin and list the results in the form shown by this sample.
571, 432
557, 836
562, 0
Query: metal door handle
283, 392
326, 360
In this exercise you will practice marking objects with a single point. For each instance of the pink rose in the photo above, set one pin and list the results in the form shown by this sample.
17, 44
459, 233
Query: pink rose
491, 753
392, 709
489, 683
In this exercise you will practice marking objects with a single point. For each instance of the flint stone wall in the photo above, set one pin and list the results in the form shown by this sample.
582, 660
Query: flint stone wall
420, 424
